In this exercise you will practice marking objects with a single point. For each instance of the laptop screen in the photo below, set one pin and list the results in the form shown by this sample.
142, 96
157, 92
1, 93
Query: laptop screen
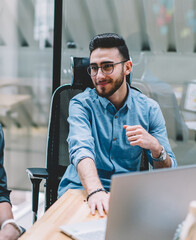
150, 205
143, 205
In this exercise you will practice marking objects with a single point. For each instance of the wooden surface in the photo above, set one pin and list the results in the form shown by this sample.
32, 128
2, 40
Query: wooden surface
71, 207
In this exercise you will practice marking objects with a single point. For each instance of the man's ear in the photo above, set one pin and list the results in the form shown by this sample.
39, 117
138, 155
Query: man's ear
128, 67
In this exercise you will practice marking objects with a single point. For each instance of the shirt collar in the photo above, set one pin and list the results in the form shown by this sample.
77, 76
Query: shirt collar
128, 101
104, 101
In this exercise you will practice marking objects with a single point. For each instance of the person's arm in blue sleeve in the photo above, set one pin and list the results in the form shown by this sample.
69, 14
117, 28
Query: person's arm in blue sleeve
154, 140
159, 131
80, 140
82, 155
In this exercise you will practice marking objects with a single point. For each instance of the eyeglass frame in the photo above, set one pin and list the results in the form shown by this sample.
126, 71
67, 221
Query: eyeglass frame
113, 64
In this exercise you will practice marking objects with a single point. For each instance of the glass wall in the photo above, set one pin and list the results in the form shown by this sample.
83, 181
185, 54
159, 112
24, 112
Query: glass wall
26, 40
160, 35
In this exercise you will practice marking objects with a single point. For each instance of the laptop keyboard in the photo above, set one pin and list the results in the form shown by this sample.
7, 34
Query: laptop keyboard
97, 235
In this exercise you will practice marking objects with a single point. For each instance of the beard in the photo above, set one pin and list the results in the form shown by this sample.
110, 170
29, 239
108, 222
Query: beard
103, 92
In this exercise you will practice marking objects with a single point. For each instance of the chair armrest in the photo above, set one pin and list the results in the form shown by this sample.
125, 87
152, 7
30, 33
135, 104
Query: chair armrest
37, 173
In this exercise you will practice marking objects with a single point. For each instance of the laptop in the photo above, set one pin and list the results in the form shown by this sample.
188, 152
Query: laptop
143, 205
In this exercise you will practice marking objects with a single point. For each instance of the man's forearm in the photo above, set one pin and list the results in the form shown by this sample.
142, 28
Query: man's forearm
99, 200
5, 212
87, 172
9, 231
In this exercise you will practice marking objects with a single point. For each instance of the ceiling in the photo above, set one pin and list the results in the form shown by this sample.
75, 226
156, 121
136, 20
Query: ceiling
147, 25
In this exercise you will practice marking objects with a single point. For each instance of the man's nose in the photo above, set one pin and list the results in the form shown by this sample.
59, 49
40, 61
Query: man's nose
100, 73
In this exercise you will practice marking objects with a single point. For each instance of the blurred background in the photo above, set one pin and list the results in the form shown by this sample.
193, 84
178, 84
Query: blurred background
161, 37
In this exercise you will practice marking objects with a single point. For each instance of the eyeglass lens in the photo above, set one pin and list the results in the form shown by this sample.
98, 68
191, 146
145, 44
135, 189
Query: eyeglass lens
105, 68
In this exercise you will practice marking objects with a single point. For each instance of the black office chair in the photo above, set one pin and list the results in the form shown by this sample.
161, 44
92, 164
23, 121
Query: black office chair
57, 148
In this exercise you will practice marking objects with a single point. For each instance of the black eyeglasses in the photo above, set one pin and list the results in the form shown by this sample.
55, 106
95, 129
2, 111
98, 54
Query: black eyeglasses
106, 68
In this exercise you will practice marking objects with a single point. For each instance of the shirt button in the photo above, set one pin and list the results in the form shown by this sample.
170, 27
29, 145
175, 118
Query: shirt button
115, 117
114, 139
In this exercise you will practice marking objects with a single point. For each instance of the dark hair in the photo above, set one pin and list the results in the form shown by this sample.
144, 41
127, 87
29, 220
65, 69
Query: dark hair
109, 40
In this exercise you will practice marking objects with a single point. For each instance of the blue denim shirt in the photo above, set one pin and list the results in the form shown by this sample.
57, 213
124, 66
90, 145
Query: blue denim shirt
96, 131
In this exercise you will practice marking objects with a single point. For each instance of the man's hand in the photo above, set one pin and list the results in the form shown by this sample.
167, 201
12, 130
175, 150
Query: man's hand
138, 136
99, 201
87, 172
9, 232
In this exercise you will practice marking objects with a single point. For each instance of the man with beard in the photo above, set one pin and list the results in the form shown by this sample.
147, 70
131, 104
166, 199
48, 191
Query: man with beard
110, 125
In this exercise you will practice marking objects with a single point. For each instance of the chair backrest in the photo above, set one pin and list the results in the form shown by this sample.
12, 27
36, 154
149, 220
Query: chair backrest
57, 158
57, 148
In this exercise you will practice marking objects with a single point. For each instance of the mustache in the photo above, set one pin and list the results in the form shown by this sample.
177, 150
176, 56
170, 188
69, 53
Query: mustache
103, 81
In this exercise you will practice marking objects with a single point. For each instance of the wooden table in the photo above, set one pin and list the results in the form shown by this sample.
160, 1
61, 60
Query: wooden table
71, 207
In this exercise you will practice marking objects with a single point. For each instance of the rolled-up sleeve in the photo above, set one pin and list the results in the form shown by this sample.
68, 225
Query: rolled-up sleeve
80, 140
4, 192
158, 130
